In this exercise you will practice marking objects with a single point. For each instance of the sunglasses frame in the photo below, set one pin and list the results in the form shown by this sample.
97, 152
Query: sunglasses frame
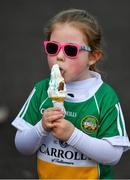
62, 46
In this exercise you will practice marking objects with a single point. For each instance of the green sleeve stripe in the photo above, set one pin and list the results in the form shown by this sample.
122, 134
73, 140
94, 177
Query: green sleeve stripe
43, 103
25, 106
120, 121
97, 104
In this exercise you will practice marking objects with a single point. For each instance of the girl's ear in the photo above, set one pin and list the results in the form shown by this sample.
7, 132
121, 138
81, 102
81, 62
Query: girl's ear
94, 57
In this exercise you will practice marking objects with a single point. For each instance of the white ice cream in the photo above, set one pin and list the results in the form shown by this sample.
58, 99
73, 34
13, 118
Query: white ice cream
57, 86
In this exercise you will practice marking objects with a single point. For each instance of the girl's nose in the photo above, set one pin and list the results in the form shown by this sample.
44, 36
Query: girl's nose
60, 55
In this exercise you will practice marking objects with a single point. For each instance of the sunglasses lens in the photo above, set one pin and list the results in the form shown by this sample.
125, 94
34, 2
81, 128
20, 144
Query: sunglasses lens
51, 48
70, 50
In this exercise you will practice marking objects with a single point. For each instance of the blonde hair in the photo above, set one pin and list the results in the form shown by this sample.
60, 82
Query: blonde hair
85, 22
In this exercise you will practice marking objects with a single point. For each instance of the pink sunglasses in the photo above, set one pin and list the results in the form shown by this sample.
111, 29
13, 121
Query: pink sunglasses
70, 50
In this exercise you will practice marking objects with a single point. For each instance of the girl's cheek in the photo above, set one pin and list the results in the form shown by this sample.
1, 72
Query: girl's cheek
77, 67
74, 65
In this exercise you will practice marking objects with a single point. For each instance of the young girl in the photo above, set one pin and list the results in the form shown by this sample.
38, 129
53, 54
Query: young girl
86, 141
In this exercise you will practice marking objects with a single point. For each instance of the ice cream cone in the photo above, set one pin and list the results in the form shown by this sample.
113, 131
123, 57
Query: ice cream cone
60, 105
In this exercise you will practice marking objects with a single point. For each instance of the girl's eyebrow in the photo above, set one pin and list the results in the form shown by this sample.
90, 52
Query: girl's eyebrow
73, 43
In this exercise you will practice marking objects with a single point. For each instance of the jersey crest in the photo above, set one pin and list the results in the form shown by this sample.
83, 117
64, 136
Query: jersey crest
89, 124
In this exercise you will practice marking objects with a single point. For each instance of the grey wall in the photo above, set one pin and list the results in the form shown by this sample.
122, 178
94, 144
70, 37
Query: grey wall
22, 63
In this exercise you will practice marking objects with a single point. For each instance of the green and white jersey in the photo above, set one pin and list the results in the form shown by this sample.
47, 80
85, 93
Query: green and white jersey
94, 109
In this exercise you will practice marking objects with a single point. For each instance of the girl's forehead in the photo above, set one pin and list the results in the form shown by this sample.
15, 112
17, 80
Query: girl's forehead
67, 32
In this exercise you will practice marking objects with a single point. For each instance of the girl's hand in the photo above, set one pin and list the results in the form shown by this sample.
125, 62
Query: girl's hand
62, 129
49, 116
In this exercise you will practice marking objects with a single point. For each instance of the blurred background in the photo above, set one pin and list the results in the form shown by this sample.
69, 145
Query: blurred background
22, 63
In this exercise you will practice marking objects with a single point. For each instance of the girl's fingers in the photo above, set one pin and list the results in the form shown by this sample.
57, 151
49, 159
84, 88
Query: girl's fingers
52, 122
52, 113
54, 117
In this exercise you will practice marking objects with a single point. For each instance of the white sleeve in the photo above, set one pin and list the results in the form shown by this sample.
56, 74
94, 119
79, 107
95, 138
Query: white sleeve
29, 140
97, 149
